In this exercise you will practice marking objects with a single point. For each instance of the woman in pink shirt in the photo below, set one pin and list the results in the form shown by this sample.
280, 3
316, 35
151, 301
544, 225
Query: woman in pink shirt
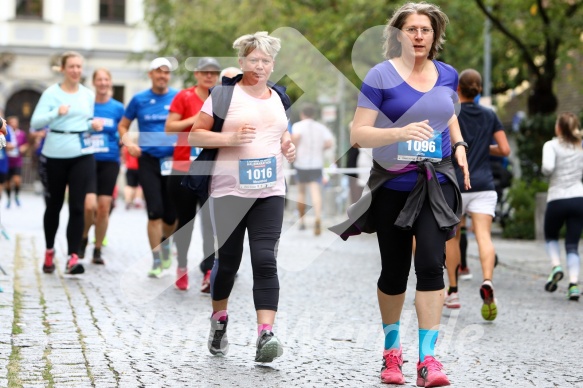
247, 189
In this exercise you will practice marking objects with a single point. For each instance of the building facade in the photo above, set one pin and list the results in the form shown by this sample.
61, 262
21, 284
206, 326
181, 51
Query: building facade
34, 33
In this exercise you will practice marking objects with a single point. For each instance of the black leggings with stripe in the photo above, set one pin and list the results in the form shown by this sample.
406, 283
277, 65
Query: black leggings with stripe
262, 218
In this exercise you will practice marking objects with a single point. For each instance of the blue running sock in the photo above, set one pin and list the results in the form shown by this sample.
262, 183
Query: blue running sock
157, 261
427, 340
392, 337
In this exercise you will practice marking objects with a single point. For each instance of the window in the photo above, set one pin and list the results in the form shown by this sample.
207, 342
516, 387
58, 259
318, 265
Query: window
29, 8
112, 11
118, 92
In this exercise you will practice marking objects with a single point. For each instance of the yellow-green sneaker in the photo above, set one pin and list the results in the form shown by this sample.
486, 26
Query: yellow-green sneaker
166, 256
156, 271
556, 275
573, 293
489, 308
103, 243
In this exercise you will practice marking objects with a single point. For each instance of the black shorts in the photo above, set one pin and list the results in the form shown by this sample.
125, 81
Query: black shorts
132, 179
3, 177
12, 171
307, 176
105, 178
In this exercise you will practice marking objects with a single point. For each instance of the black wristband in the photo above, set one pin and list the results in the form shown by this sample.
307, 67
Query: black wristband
460, 143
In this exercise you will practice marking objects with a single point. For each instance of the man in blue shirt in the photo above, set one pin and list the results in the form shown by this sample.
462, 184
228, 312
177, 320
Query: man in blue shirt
154, 150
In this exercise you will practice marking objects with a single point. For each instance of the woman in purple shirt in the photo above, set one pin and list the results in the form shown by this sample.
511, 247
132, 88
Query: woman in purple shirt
20, 142
406, 113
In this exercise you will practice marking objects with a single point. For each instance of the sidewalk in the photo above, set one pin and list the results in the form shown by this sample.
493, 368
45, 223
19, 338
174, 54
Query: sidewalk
114, 327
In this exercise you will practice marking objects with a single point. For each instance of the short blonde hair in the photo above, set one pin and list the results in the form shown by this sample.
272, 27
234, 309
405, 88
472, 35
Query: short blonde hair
392, 46
260, 40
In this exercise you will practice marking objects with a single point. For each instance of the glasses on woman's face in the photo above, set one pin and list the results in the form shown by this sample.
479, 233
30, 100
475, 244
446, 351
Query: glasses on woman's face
255, 61
412, 31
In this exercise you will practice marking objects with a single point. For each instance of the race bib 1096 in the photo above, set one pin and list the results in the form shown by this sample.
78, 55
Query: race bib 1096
415, 151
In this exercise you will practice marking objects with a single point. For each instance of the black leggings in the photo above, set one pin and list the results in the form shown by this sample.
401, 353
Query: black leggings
56, 174
185, 203
396, 245
263, 218
567, 211
155, 189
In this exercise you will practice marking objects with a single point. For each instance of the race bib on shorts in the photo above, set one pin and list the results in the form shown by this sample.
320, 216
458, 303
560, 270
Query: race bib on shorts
166, 166
257, 173
415, 151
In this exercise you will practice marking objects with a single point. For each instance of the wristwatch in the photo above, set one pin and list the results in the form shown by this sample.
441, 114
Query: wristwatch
460, 143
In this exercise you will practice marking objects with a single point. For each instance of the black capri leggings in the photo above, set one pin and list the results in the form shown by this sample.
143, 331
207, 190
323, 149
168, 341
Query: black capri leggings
565, 211
185, 203
396, 245
262, 218
155, 189
55, 175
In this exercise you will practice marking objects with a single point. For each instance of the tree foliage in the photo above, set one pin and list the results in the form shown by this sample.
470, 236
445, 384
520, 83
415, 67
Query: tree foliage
538, 35
530, 38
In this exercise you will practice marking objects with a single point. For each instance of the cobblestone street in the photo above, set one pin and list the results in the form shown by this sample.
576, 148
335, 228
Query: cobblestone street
115, 327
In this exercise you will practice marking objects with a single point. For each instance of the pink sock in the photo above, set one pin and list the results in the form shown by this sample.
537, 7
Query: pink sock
263, 326
219, 315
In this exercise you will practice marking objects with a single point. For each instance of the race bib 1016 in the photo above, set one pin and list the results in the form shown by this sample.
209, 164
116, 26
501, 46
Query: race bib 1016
257, 173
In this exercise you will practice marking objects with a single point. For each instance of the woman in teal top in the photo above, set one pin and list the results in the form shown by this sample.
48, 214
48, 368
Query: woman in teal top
67, 159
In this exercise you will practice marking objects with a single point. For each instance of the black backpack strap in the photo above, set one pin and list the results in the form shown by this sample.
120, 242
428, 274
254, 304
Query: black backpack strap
222, 95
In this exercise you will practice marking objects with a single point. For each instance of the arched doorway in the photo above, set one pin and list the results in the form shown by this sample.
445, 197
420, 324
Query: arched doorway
22, 104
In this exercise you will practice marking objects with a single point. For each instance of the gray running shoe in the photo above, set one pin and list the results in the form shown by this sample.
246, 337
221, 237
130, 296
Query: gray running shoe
268, 347
218, 343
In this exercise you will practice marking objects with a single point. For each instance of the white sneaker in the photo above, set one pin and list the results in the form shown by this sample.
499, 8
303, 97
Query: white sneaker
452, 301
464, 274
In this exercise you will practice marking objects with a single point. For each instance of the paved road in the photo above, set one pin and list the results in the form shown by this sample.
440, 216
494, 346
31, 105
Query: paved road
114, 327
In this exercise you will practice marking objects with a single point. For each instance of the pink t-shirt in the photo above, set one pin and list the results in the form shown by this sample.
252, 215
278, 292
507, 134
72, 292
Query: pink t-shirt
268, 116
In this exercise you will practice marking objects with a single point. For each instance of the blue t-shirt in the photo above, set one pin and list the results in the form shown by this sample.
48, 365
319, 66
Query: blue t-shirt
151, 111
399, 104
106, 142
3, 155
478, 125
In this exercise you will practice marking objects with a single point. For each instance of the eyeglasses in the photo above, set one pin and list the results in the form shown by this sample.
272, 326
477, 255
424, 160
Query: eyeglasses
413, 31
255, 61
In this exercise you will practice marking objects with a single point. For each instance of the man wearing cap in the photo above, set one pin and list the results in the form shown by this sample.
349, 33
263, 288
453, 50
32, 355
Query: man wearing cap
183, 112
154, 150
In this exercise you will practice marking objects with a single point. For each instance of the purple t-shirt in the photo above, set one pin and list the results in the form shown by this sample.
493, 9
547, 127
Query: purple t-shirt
399, 104
14, 156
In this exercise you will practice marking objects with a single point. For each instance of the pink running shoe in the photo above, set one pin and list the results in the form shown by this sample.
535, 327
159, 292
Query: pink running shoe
391, 372
430, 373
181, 279
73, 266
206, 283
49, 265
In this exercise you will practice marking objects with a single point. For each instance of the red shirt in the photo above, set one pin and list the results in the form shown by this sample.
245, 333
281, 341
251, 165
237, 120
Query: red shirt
131, 162
186, 103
